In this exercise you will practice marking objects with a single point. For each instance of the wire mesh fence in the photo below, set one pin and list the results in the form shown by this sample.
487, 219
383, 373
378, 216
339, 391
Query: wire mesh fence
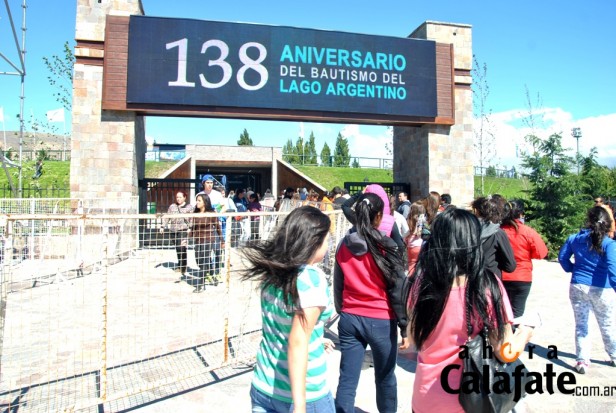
94, 318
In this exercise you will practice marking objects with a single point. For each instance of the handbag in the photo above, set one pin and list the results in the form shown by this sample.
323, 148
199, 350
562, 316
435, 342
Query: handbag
493, 390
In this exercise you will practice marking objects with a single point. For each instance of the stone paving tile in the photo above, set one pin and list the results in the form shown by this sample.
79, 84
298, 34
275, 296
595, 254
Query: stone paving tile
226, 389
549, 296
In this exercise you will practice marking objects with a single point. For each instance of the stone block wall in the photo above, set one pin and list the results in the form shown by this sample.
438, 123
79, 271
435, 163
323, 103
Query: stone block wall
91, 16
436, 157
107, 152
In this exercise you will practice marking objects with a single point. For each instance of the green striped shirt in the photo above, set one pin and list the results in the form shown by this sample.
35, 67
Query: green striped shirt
272, 370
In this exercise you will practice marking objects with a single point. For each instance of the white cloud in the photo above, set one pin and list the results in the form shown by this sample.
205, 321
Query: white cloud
509, 130
598, 131
368, 142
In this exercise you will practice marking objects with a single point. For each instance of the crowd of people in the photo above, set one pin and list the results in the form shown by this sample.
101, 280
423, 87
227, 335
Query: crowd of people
431, 280
425, 274
208, 234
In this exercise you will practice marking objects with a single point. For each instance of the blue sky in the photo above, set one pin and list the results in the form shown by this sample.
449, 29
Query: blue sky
561, 51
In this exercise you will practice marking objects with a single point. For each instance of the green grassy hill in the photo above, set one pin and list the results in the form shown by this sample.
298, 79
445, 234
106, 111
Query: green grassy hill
331, 177
56, 175
509, 188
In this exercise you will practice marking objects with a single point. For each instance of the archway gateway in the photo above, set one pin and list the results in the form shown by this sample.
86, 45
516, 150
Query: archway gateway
129, 66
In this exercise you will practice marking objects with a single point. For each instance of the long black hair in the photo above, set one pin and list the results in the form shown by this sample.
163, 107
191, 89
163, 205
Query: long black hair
207, 203
368, 211
598, 221
453, 249
277, 261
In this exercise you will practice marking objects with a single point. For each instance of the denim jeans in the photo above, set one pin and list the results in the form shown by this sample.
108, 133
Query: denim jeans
355, 333
262, 403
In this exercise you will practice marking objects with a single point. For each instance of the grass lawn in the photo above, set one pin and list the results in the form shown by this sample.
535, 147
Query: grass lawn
56, 175
507, 187
330, 177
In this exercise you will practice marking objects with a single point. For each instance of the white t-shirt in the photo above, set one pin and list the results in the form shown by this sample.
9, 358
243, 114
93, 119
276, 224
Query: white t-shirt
215, 198
403, 226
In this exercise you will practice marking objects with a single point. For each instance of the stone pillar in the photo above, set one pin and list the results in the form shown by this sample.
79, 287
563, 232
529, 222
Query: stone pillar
436, 157
108, 147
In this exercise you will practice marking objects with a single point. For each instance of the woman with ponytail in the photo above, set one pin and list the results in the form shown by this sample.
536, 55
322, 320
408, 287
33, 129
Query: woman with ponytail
369, 280
593, 276
450, 285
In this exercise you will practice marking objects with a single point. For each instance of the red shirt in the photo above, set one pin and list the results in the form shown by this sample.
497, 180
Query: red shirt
364, 292
527, 245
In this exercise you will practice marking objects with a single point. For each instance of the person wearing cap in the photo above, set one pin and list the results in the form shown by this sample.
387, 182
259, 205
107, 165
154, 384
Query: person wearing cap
208, 189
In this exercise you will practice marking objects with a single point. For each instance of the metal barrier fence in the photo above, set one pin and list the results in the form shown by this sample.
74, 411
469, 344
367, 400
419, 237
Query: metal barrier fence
498, 173
36, 191
94, 317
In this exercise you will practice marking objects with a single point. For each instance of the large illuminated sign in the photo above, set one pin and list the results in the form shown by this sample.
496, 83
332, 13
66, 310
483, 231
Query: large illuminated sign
217, 64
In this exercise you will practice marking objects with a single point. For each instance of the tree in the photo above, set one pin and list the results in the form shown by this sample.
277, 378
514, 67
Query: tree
595, 180
61, 76
355, 163
534, 116
325, 156
483, 128
341, 152
310, 151
245, 139
289, 153
299, 150
556, 207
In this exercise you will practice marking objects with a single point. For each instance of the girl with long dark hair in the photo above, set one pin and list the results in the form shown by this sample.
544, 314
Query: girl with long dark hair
207, 235
368, 278
593, 276
291, 365
451, 282
417, 222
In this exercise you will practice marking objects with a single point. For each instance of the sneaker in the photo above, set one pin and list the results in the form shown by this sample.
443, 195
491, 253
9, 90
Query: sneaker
198, 289
581, 367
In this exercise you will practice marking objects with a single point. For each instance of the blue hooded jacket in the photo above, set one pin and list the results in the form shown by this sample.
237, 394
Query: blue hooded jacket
590, 267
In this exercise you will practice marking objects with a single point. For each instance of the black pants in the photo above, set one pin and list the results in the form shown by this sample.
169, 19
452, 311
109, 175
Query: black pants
208, 264
518, 293
180, 240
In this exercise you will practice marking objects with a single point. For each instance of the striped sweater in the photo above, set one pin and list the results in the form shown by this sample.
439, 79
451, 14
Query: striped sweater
271, 375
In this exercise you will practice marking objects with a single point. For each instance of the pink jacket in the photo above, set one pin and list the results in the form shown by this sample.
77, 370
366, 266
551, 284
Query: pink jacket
388, 221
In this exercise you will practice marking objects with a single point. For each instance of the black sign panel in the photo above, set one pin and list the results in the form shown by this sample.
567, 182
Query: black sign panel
207, 63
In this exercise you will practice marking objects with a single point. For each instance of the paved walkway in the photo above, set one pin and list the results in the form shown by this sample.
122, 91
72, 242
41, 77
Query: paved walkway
549, 296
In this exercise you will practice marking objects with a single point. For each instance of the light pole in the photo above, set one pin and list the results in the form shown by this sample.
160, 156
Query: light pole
577, 134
